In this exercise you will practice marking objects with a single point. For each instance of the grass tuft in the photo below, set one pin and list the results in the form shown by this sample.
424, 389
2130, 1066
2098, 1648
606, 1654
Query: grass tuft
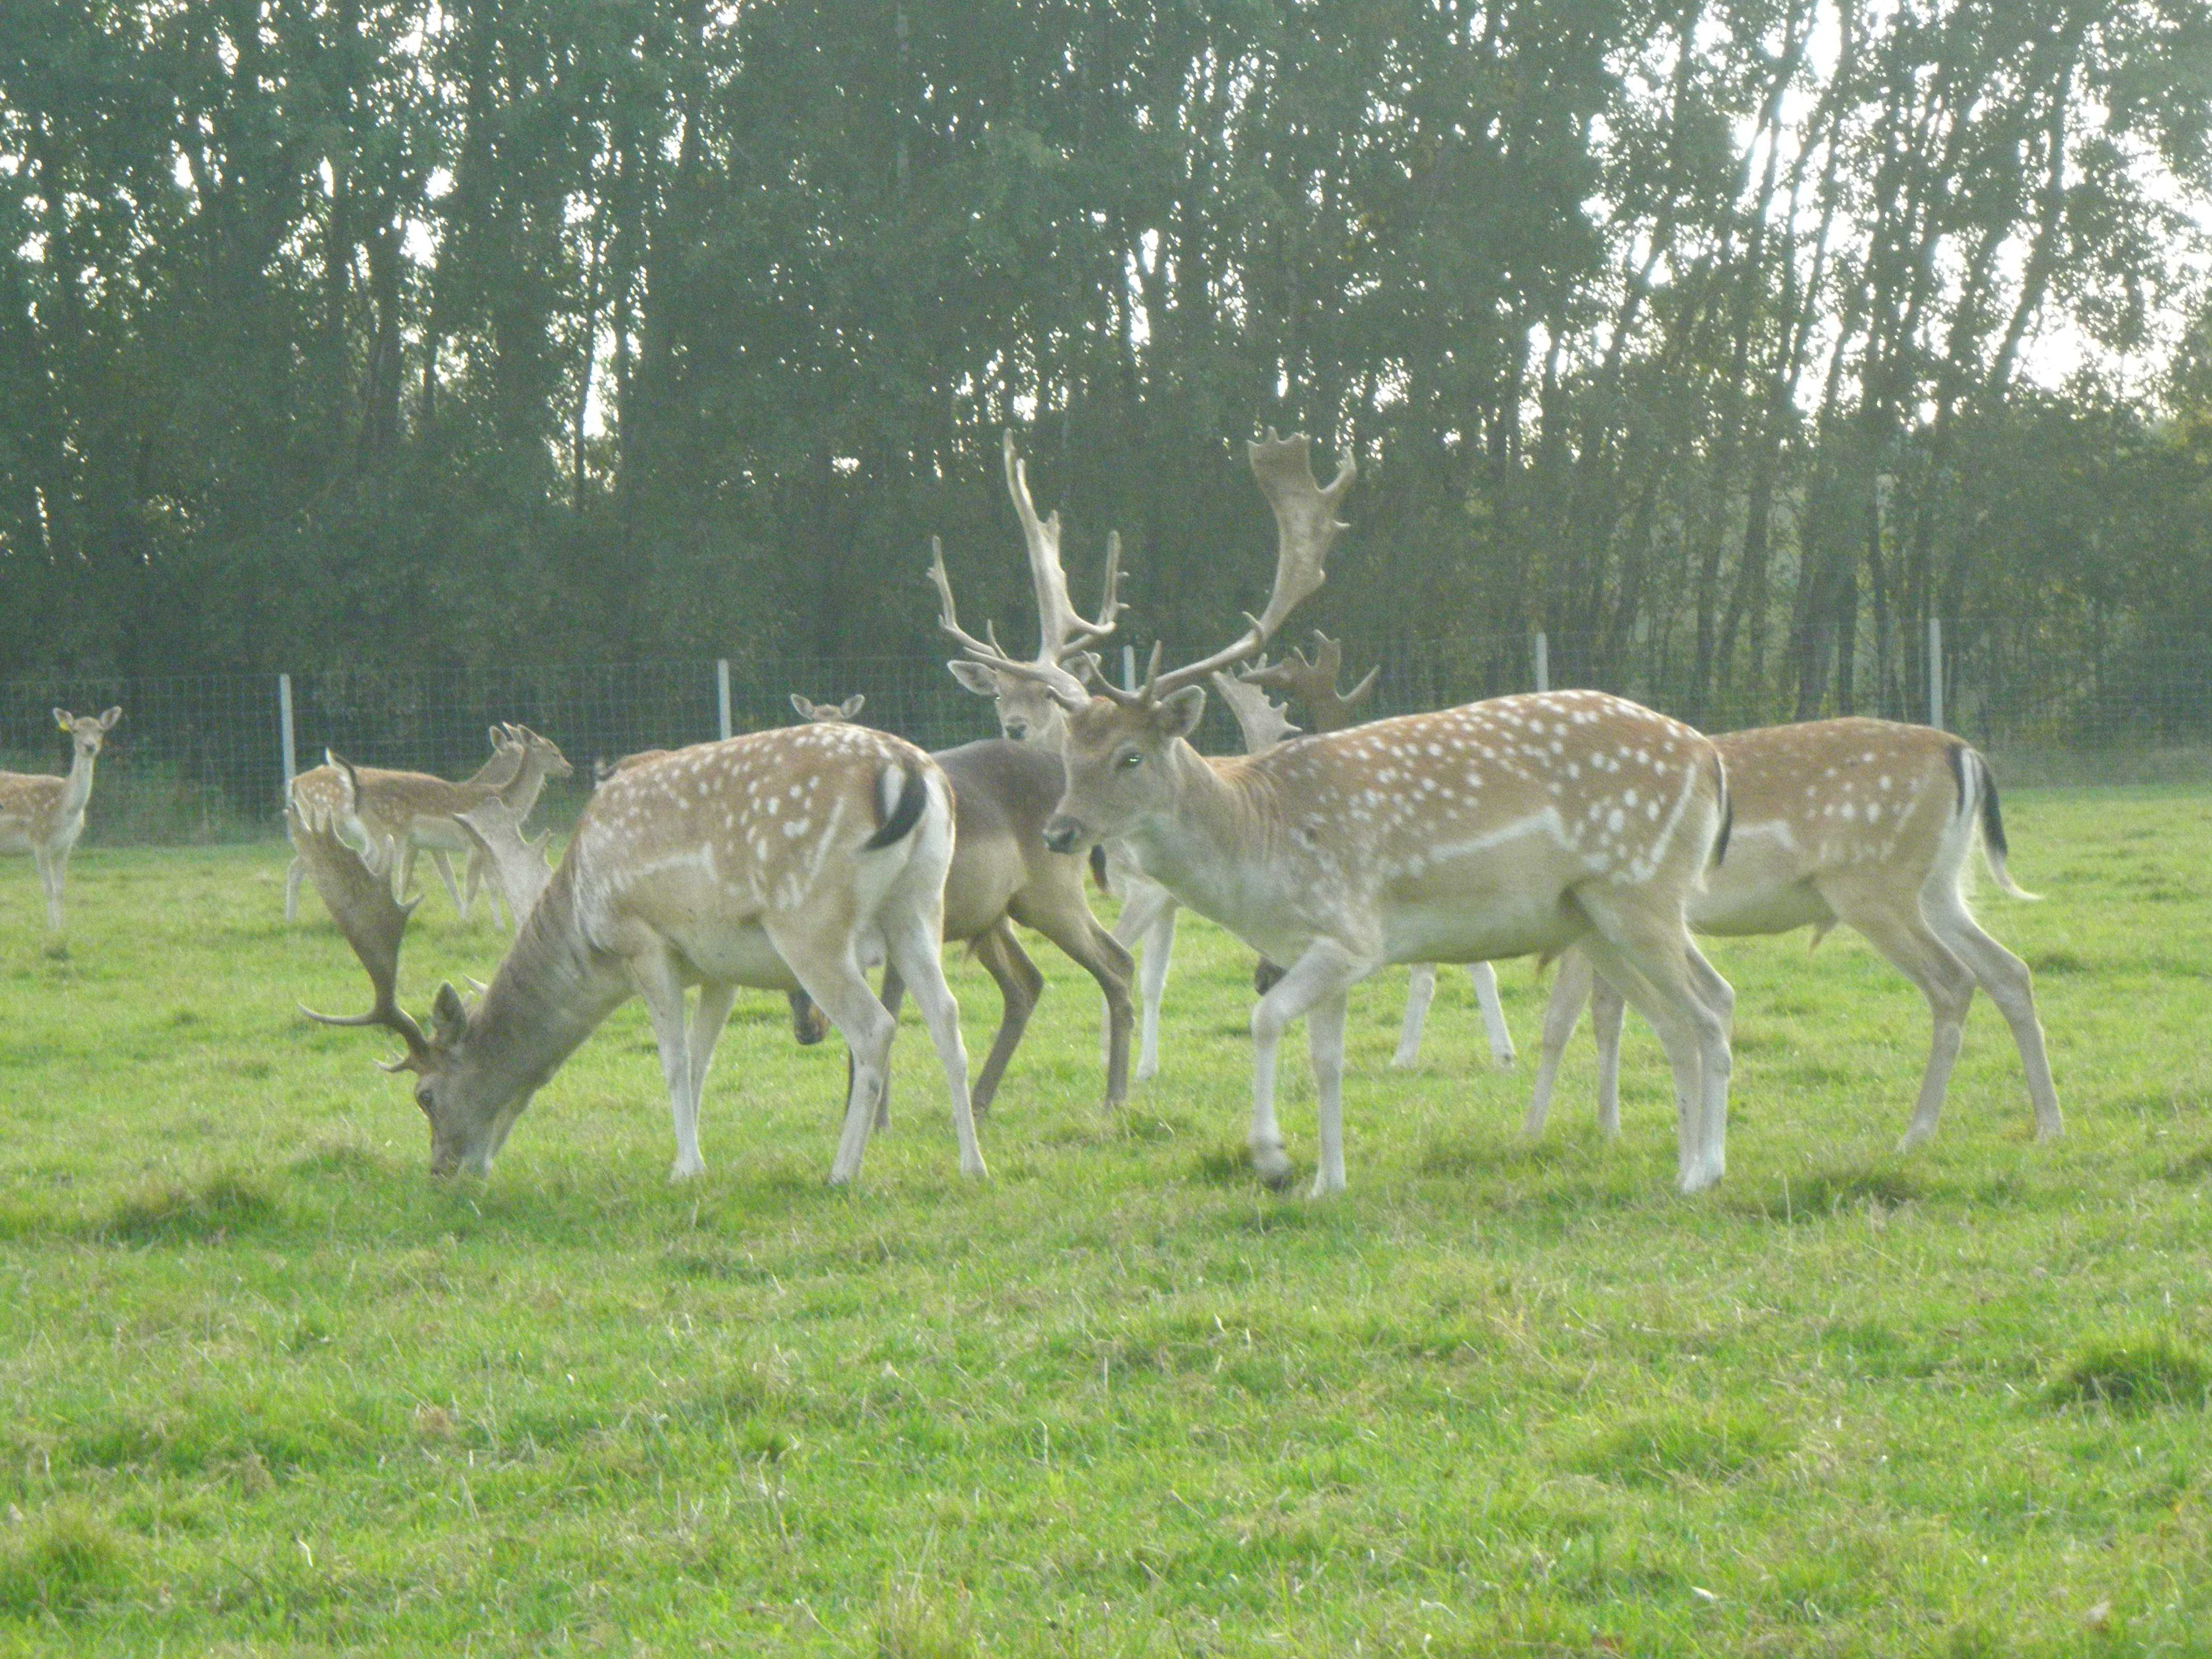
912, 1625
170, 1212
65, 1562
1698, 1445
2135, 1374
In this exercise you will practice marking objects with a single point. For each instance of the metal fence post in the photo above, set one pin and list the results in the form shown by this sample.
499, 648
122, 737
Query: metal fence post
722, 693
284, 731
1936, 673
1543, 662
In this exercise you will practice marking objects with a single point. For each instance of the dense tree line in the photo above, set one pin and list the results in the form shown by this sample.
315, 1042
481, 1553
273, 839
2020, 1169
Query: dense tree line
1696, 332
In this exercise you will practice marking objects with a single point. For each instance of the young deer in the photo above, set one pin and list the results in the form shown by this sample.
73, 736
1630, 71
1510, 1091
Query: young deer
1506, 828
375, 811
1313, 683
1002, 873
781, 859
1028, 713
1871, 824
44, 816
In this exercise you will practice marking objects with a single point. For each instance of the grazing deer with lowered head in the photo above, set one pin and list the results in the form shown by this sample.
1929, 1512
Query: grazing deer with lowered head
1313, 683
1028, 713
1507, 828
1865, 822
1003, 873
781, 859
44, 816
373, 810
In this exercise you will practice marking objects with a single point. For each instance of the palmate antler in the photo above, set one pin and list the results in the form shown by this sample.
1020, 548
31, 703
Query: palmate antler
520, 863
1314, 682
1262, 720
360, 901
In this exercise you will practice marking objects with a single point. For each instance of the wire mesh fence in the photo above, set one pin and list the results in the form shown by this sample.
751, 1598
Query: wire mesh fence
203, 759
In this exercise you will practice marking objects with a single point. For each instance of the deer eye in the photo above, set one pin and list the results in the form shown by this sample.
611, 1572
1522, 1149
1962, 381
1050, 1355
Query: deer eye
1132, 758
423, 1098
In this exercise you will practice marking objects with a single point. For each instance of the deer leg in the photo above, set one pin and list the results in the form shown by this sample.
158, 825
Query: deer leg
1646, 958
834, 984
1148, 921
1894, 926
1608, 1009
658, 981
445, 868
1020, 985
1325, 1046
708, 1017
1493, 1014
399, 858
1326, 970
914, 946
2011, 987
1570, 990
51, 868
1420, 991
893, 995
1064, 918
293, 876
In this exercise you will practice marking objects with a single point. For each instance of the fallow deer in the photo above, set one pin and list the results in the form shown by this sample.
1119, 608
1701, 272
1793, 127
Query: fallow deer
43, 815
1515, 826
1871, 824
1028, 713
373, 810
1002, 873
542, 760
516, 864
1313, 683
781, 859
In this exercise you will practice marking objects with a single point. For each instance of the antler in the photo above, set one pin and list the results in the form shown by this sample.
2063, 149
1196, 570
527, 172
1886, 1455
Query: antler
1314, 682
1306, 526
360, 901
1060, 628
1262, 720
1065, 687
520, 864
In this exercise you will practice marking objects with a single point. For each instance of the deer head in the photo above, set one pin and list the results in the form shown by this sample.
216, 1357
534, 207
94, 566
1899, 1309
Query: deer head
1120, 747
551, 763
1026, 711
828, 714
87, 732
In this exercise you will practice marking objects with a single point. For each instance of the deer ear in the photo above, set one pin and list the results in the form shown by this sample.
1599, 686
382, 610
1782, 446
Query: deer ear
107, 721
853, 705
62, 719
1180, 712
449, 1017
806, 708
975, 676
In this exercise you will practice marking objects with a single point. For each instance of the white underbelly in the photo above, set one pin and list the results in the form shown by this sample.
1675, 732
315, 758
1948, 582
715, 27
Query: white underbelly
441, 833
1775, 909
739, 954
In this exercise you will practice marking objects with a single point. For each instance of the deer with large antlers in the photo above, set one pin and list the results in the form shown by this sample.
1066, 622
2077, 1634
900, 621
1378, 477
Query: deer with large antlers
1028, 713
1313, 683
1866, 823
1002, 873
783, 860
43, 815
1515, 826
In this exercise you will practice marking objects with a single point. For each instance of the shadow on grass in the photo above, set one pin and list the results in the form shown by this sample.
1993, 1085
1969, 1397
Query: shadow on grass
1822, 1194
2133, 1374
1700, 1445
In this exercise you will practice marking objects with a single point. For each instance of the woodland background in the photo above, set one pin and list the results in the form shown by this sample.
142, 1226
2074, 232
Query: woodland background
1724, 342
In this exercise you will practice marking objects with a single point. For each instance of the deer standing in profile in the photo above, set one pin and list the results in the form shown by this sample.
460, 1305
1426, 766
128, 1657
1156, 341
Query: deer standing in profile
1516, 826
374, 811
1871, 824
43, 815
1027, 713
1313, 683
1002, 873
782, 860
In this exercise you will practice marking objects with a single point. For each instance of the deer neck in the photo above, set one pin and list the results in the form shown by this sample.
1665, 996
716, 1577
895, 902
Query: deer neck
552, 991
1211, 842
498, 772
76, 788
522, 792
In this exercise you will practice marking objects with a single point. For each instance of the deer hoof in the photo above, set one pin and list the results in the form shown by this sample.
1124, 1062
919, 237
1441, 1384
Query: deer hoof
1273, 1165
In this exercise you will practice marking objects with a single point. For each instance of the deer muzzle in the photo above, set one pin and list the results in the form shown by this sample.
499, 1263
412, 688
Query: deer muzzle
1063, 834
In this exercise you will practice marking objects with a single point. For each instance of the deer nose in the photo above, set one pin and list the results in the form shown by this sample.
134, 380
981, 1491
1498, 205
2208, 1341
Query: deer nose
1062, 834
1016, 729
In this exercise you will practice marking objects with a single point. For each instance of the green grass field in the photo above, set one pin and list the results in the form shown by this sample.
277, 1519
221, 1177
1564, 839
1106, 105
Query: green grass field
270, 1389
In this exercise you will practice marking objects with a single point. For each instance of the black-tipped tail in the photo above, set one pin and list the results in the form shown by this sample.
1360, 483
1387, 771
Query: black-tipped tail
1993, 835
913, 795
1098, 867
1728, 811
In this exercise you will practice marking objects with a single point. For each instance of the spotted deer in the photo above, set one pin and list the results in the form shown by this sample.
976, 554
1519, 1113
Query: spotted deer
1028, 713
43, 815
782, 860
1865, 824
1312, 681
375, 811
1002, 873
1516, 826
